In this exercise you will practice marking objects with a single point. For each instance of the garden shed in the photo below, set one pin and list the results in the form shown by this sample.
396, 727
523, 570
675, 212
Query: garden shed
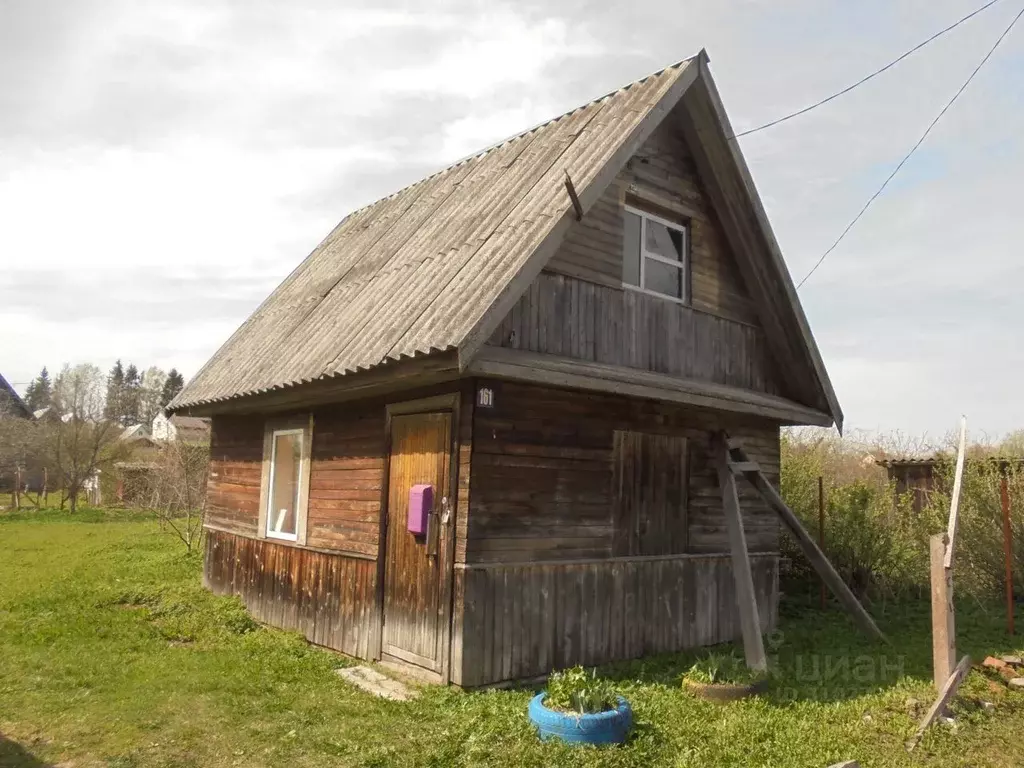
470, 434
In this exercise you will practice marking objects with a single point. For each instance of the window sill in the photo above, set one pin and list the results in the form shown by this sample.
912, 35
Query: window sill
282, 536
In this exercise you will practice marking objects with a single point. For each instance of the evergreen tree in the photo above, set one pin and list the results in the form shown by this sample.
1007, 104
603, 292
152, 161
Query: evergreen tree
39, 392
175, 381
131, 396
114, 408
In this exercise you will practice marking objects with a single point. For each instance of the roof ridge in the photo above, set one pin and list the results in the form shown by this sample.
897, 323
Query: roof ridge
509, 139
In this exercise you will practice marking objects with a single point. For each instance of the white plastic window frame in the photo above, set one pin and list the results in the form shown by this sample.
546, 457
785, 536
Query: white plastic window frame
271, 534
683, 264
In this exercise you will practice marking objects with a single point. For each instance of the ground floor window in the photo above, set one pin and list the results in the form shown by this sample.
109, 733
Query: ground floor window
285, 479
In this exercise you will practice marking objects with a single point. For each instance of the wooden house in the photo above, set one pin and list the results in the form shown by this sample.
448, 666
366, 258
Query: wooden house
532, 349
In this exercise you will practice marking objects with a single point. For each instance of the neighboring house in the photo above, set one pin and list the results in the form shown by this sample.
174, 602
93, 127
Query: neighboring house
188, 429
921, 475
469, 434
11, 403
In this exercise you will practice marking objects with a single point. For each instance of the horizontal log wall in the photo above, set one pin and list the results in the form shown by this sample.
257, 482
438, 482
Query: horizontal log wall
328, 598
346, 473
664, 169
581, 320
522, 621
542, 473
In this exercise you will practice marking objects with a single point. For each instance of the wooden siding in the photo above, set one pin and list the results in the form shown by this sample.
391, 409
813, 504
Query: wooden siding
580, 320
542, 473
236, 465
524, 620
660, 177
328, 598
649, 485
346, 473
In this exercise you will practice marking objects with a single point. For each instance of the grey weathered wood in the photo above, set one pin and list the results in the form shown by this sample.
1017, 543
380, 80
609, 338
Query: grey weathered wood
731, 188
810, 548
946, 694
943, 612
746, 602
564, 372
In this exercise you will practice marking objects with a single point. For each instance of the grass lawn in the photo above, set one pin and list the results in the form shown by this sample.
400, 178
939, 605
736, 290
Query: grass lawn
111, 654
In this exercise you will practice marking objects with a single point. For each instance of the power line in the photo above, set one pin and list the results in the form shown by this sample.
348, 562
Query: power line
914, 148
863, 80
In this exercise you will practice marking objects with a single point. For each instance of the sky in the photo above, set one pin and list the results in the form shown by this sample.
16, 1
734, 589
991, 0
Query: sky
165, 164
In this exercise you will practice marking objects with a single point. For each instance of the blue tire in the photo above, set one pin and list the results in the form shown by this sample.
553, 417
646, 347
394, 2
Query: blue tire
611, 727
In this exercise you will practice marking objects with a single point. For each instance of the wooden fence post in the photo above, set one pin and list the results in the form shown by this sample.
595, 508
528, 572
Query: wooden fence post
1004, 497
821, 529
943, 622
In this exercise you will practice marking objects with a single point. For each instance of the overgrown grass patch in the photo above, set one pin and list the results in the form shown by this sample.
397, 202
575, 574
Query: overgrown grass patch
112, 654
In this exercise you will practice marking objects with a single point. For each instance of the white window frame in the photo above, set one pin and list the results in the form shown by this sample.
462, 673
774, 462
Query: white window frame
683, 265
298, 489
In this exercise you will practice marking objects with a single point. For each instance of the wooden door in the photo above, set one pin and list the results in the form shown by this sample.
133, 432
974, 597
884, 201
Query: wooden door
415, 581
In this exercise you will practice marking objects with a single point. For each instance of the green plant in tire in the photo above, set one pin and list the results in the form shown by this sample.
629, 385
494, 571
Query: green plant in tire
578, 691
722, 669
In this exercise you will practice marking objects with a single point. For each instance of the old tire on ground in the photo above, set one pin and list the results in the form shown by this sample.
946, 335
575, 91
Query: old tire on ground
611, 727
725, 691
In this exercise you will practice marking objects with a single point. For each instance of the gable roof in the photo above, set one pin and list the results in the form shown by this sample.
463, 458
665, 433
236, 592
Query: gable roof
11, 402
437, 265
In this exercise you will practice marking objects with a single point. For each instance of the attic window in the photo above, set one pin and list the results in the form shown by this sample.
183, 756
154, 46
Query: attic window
655, 254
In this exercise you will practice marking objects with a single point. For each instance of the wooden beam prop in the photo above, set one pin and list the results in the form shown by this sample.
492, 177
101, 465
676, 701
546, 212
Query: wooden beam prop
954, 503
746, 602
1004, 498
807, 545
943, 620
946, 694
571, 189
941, 575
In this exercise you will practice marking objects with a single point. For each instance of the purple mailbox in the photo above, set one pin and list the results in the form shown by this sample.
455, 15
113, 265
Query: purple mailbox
421, 501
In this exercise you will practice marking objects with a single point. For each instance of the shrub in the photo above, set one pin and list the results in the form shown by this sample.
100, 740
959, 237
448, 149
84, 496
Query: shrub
574, 690
717, 668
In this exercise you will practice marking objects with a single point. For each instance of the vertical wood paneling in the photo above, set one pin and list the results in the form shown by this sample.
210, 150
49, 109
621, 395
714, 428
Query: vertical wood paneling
637, 330
549, 616
325, 597
649, 489
595, 612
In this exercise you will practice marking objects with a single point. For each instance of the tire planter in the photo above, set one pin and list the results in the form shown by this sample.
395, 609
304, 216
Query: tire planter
611, 727
724, 692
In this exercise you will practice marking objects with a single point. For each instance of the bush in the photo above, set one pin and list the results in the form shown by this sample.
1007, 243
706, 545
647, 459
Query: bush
574, 690
874, 537
718, 668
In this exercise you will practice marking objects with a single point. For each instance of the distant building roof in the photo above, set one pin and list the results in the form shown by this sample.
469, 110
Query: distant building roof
11, 402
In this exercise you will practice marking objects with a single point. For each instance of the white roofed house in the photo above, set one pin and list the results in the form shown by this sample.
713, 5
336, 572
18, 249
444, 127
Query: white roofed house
189, 429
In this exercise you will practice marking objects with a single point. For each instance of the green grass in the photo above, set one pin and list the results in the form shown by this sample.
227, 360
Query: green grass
111, 654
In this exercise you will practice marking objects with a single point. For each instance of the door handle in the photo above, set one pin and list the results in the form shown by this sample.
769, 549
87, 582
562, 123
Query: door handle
446, 511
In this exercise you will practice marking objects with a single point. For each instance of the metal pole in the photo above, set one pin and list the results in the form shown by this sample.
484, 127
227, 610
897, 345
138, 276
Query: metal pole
1004, 494
821, 529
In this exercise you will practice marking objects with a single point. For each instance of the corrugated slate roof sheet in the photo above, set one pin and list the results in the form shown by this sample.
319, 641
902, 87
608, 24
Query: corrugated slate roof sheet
415, 272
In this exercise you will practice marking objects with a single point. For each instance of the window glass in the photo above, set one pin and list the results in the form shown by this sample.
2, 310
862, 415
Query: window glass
286, 461
663, 278
631, 252
666, 242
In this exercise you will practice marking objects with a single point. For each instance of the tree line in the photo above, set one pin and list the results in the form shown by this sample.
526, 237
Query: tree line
129, 395
77, 436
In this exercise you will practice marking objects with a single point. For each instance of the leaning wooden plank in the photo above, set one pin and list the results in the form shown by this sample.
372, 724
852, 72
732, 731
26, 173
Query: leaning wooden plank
810, 548
945, 696
746, 602
954, 503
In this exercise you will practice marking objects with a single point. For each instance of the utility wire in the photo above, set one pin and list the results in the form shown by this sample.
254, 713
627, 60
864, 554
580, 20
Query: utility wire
914, 148
863, 80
